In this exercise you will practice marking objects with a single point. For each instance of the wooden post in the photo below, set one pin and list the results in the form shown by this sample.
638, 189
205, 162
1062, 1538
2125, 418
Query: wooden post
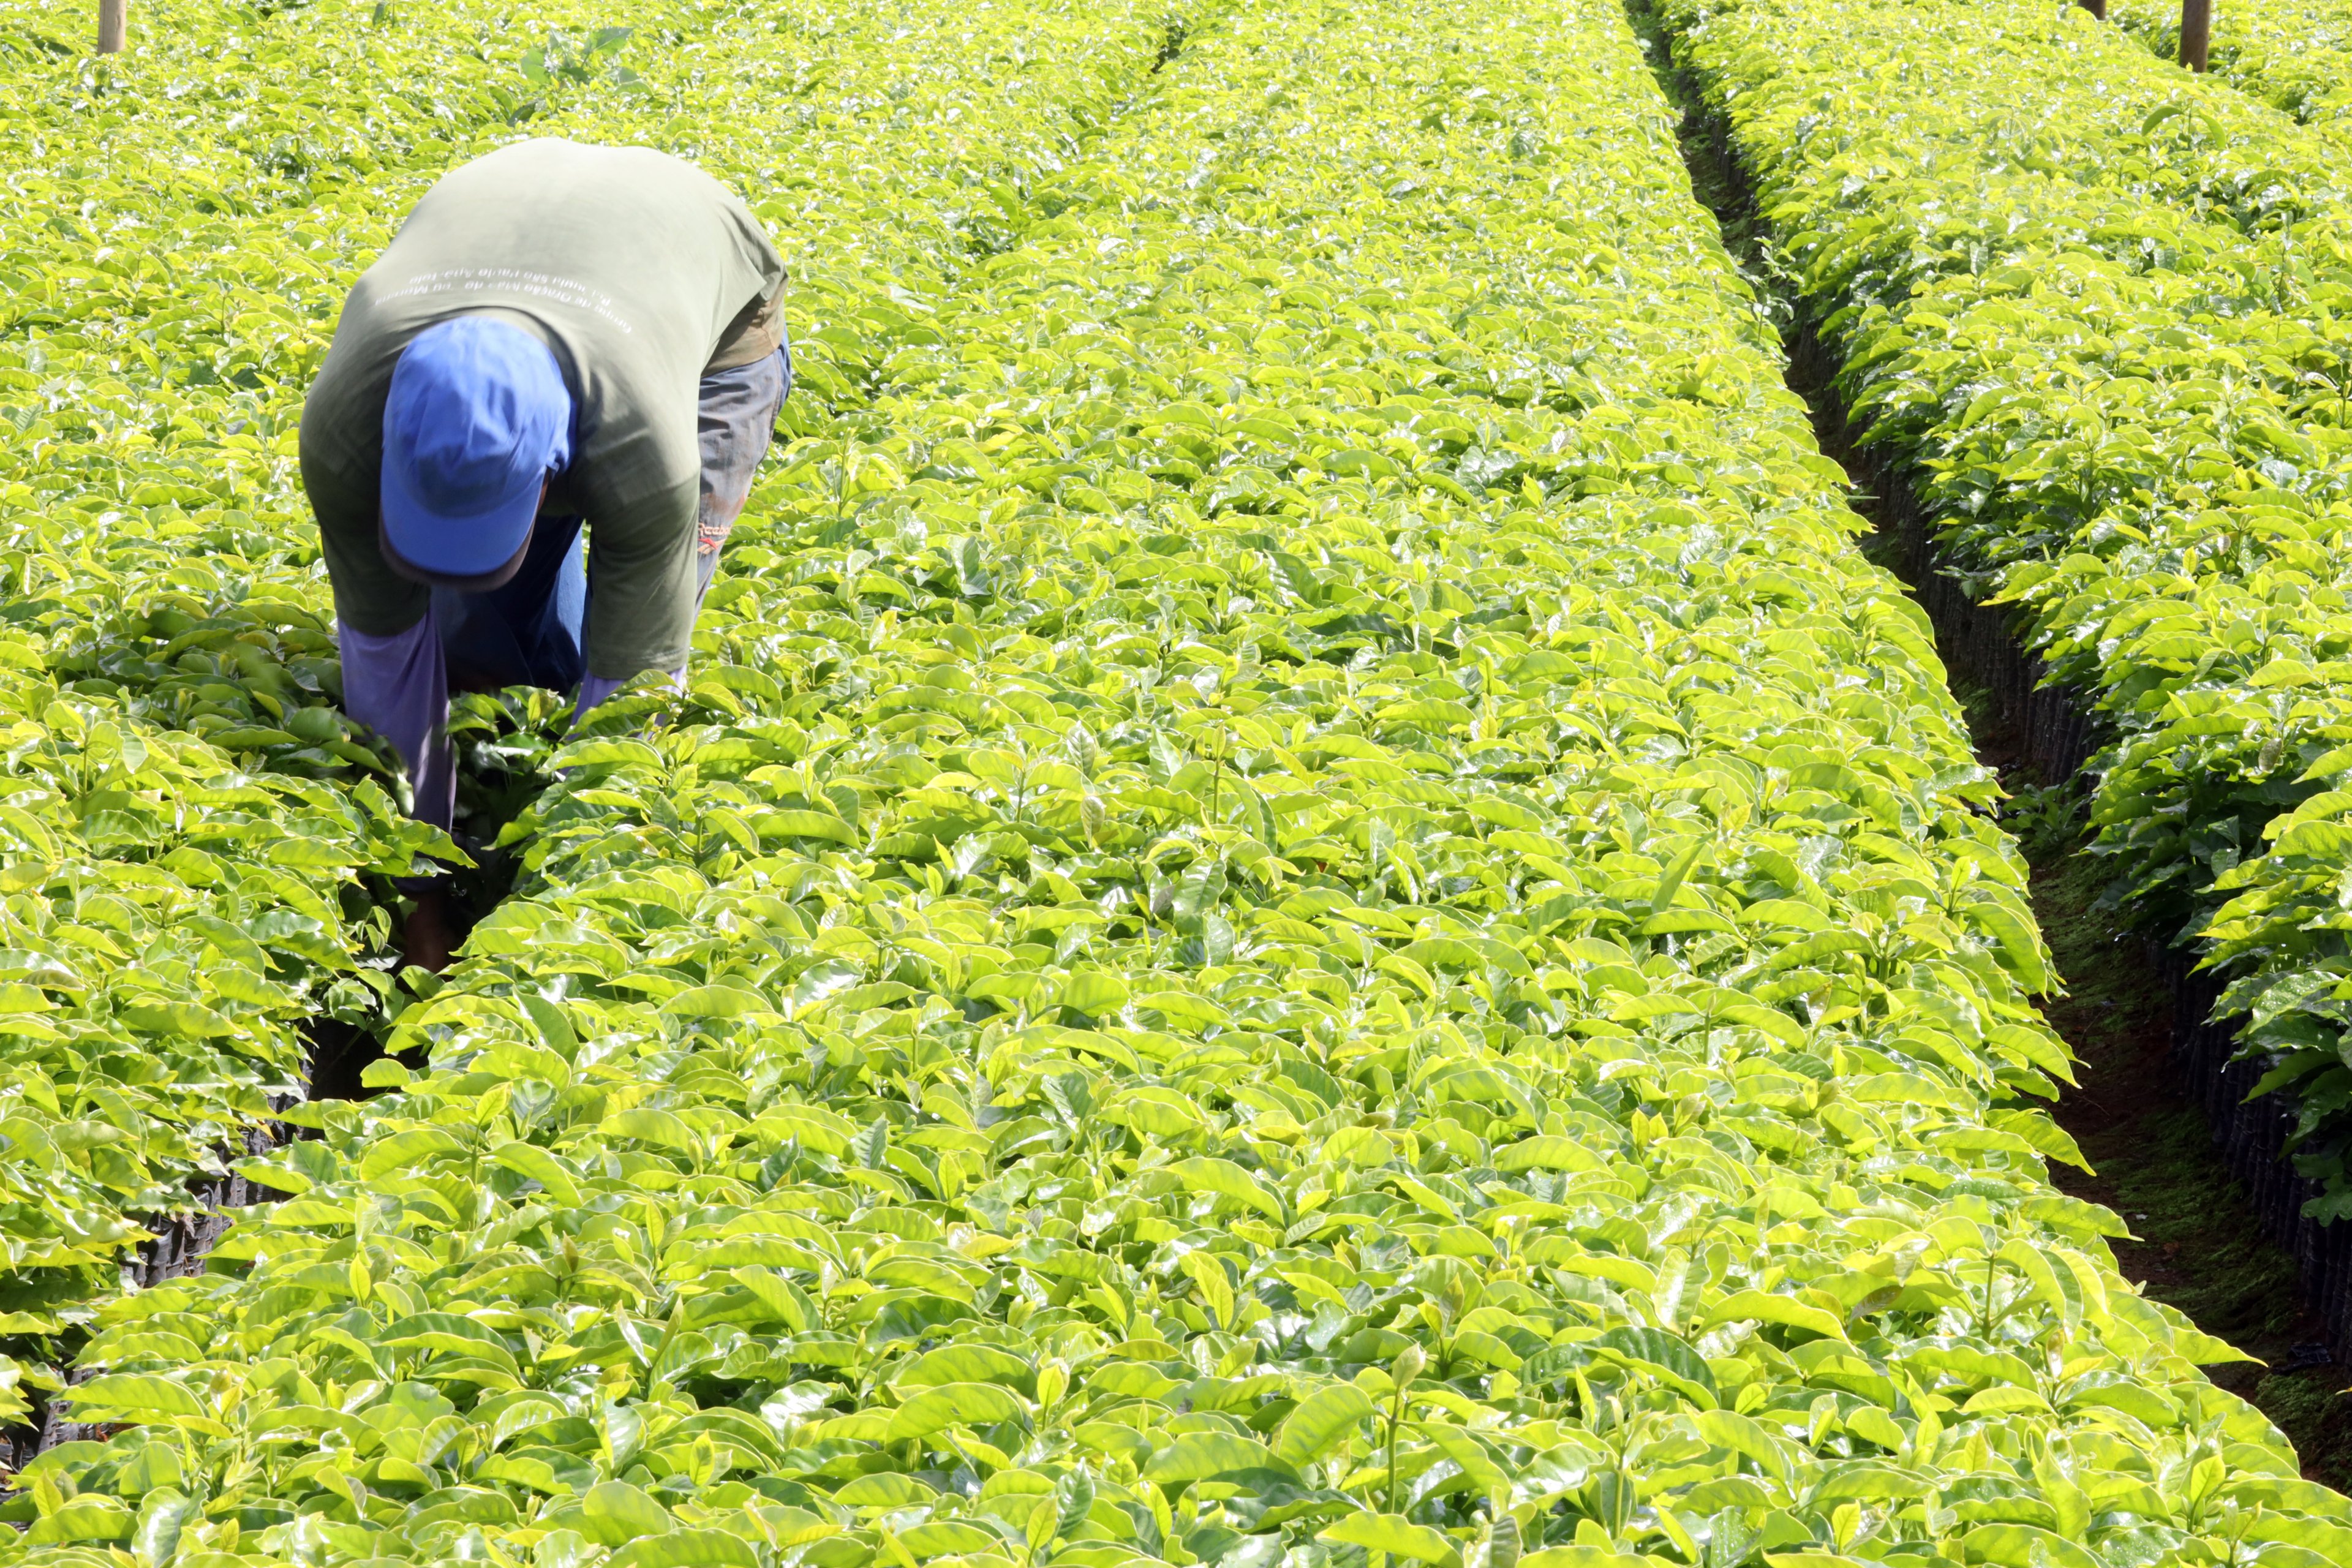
2096, 7
2196, 32
113, 25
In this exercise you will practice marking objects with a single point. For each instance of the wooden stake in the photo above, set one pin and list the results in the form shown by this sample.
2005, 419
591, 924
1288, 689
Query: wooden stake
113, 25
2196, 32
2096, 7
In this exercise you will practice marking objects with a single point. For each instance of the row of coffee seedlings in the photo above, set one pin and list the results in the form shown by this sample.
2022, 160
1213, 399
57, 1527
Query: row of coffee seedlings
1341, 922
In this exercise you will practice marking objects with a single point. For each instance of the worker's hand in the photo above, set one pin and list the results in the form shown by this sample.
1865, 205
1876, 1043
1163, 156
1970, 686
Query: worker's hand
428, 936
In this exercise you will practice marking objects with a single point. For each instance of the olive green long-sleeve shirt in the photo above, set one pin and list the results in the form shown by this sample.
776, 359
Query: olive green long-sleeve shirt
641, 273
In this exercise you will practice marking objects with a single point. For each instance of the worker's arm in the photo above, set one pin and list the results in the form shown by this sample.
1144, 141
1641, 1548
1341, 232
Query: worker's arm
642, 589
393, 678
646, 587
369, 594
396, 686
394, 681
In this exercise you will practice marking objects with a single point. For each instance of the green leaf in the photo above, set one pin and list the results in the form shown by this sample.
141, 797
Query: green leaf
2022, 1546
539, 1165
1670, 881
687, 1549
1586, 1556
1662, 1353
164, 1516
1761, 1307
1321, 1420
135, 1396
952, 1365
1206, 1456
934, 1409
882, 1489
406, 1152
176, 1018
1094, 993
1546, 1151
1073, 1497
553, 1026
613, 1513
1222, 1178
1158, 1113
823, 1130
445, 1331
605, 751
806, 825
2020, 943
717, 1002
1392, 1533
659, 1128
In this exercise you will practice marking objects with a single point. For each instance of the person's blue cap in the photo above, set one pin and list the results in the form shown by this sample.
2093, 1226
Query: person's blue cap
477, 418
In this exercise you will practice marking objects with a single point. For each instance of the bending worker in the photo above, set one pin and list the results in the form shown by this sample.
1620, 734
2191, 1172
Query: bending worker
561, 335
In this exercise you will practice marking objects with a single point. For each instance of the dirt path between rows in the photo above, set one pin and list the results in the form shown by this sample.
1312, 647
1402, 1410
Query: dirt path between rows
2198, 1243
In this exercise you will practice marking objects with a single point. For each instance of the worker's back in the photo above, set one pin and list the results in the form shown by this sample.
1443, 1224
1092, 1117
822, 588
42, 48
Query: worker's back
634, 268
632, 261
